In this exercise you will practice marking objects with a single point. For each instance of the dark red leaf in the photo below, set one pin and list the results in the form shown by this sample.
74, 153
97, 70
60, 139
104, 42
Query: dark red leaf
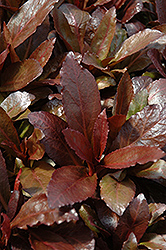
71, 236
5, 227
24, 23
3, 56
140, 83
43, 52
70, 184
81, 107
135, 219
117, 194
156, 210
124, 95
100, 134
154, 55
130, 243
40, 213
115, 123
79, 144
161, 10
154, 241
129, 156
143, 128
103, 37
14, 202
157, 92
133, 8
54, 141
21, 74
134, 27
133, 45
4, 183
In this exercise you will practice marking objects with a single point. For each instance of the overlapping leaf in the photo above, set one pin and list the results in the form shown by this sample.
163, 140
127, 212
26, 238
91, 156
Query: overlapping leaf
24, 23
132, 44
130, 243
21, 74
134, 8
81, 107
35, 180
129, 156
135, 219
54, 141
17, 102
160, 9
155, 58
156, 210
103, 37
117, 195
143, 128
40, 213
157, 92
154, 241
70, 184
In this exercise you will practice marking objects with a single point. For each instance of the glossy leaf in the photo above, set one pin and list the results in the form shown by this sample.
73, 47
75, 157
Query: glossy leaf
156, 171
139, 101
24, 23
70, 184
117, 195
81, 107
129, 156
77, 20
161, 10
7, 129
156, 210
4, 183
115, 123
35, 148
54, 141
21, 74
135, 219
78, 142
124, 95
135, 7
17, 102
140, 83
67, 237
5, 228
130, 243
103, 37
40, 213
100, 134
132, 44
35, 180
142, 128
154, 241
43, 52
155, 58
157, 92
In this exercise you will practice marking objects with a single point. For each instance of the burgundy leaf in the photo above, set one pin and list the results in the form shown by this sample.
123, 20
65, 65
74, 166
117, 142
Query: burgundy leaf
4, 183
79, 143
157, 92
24, 22
17, 102
100, 134
5, 227
133, 45
140, 83
154, 241
133, 8
54, 141
43, 52
161, 10
21, 74
129, 156
124, 95
117, 194
81, 107
154, 55
135, 219
14, 202
3, 56
115, 123
70, 184
35, 180
143, 128
130, 243
71, 236
134, 27
103, 37
77, 19
40, 213
156, 210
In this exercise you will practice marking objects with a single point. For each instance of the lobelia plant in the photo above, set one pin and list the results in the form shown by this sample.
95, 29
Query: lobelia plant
82, 160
